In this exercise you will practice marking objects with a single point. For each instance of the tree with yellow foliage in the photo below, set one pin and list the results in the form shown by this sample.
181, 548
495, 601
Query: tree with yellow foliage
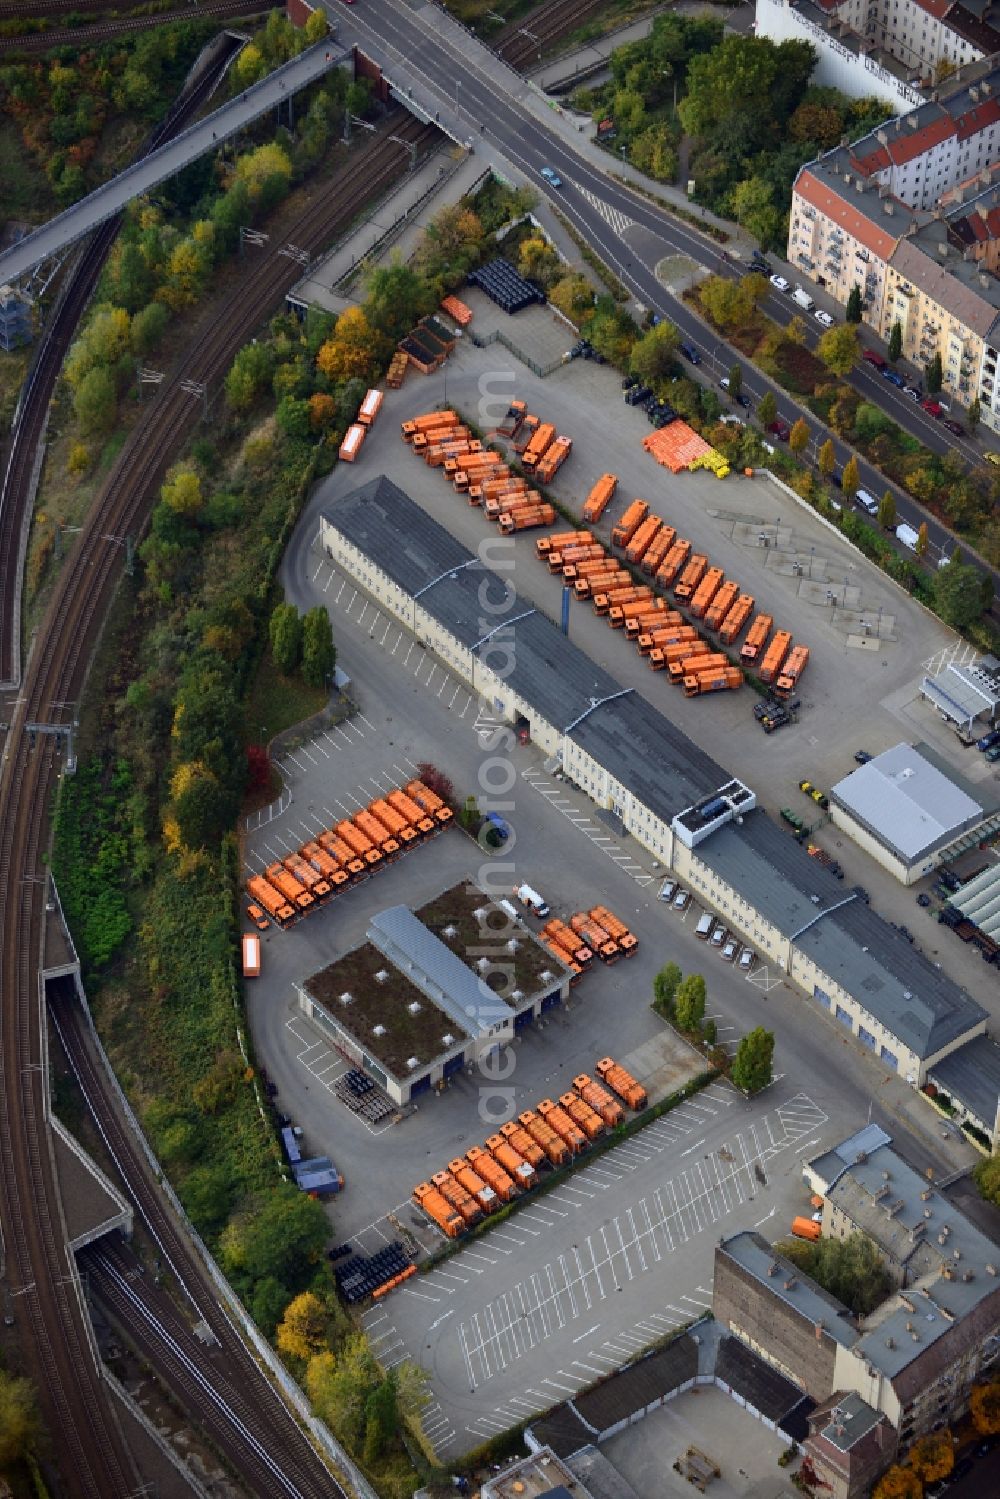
255, 168
322, 408
316, 26
898, 1483
249, 67
181, 491
186, 269
302, 1331
350, 353
932, 1457
984, 1404
104, 341
79, 460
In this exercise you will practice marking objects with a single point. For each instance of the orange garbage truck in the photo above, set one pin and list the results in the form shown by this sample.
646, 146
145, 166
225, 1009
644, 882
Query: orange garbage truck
555, 1148
429, 801
603, 1102
691, 665
642, 539
460, 1199
621, 1081
558, 1119
634, 515
359, 842
582, 1115
438, 1210
692, 575
627, 941
774, 656
546, 544
721, 679
492, 1173
407, 807
517, 1168
672, 563
599, 498
518, 1138
278, 876
754, 643
736, 618
721, 605
793, 668
272, 900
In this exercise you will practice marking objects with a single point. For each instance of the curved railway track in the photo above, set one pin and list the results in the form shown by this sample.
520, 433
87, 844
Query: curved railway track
100, 31
15, 483
67, 1378
521, 41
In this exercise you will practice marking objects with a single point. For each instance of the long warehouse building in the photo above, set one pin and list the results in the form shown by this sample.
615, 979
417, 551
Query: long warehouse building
675, 800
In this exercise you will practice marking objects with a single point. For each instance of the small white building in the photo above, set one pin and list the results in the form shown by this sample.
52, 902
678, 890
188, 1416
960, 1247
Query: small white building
911, 811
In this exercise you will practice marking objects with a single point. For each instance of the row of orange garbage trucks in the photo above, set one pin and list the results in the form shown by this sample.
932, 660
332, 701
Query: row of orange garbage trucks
487, 1176
667, 637
598, 931
482, 474
339, 856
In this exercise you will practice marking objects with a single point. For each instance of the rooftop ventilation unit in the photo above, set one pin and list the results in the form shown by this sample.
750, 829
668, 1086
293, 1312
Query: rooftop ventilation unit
346, 998
414, 1007
378, 1030
382, 977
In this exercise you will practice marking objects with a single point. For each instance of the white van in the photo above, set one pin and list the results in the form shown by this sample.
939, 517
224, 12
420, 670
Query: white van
704, 927
867, 501
802, 297
907, 536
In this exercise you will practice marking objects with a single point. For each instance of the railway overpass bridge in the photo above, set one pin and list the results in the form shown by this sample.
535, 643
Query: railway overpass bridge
205, 135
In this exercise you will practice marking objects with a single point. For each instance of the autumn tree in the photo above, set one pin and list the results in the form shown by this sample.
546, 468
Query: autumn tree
265, 171
573, 295
537, 260
933, 375
975, 412
839, 348
654, 354
181, 491
798, 438
984, 1405
753, 1061
850, 479
248, 376
826, 459
187, 267
922, 540
339, 1386
397, 298
754, 207
148, 328
898, 1483
735, 378
316, 27
932, 1457
102, 344
729, 304
957, 595
302, 1331
322, 408
350, 352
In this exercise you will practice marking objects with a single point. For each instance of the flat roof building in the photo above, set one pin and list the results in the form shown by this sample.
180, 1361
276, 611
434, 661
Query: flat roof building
908, 808
408, 1008
964, 694
629, 758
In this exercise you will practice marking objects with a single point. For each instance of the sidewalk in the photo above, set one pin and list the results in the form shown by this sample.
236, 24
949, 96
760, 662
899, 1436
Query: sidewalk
394, 226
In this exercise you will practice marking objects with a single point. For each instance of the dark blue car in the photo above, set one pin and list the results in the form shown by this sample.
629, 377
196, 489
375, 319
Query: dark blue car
894, 379
690, 353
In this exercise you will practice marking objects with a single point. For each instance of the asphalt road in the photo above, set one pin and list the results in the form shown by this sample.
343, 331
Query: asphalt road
631, 234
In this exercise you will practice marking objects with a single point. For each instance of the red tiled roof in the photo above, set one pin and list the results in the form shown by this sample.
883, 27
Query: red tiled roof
978, 118
850, 218
875, 161
936, 8
911, 143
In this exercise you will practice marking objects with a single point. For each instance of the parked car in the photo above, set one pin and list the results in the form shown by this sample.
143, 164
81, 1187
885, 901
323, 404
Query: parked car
718, 937
953, 426
551, 176
894, 378
747, 959
932, 407
988, 740
823, 317
668, 890
759, 266
993, 755
870, 357
730, 950
690, 353
915, 392
682, 900
780, 428
780, 284
862, 757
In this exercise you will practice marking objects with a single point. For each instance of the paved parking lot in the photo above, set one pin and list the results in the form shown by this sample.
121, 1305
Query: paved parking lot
859, 691
575, 1283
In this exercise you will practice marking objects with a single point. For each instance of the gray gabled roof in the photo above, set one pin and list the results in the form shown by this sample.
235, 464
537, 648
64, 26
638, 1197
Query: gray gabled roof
971, 1076
630, 738
431, 965
909, 800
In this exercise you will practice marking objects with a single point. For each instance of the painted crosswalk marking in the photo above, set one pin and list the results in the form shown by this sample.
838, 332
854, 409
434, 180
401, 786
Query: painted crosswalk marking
619, 222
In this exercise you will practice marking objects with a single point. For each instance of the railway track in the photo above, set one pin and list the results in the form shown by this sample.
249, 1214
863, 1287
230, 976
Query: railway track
521, 41
64, 1367
19, 460
85, 36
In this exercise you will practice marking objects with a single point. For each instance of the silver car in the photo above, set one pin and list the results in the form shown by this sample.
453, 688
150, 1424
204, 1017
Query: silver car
718, 937
747, 959
728, 953
682, 900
